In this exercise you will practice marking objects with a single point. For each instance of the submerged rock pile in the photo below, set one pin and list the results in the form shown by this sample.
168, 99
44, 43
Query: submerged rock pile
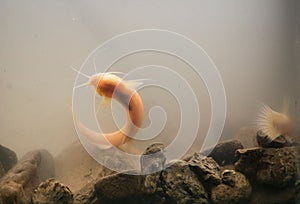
51, 191
229, 174
18, 184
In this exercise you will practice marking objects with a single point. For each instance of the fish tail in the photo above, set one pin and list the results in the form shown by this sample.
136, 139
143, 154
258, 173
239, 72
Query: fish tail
93, 136
117, 138
265, 122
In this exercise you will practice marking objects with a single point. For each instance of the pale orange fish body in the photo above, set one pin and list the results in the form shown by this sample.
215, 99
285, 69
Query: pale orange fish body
112, 86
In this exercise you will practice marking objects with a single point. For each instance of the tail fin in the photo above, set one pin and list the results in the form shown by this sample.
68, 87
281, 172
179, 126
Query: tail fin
265, 124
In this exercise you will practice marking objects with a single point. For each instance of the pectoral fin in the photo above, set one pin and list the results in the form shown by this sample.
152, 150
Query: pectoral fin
134, 84
105, 103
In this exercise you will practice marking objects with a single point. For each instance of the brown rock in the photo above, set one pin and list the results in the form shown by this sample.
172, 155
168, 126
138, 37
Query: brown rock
278, 142
2, 170
76, 168
271, 166
224, 153
238, 190
86, 195
118, 186
181, 185
19, 182
206, 169
8, 159
52, 192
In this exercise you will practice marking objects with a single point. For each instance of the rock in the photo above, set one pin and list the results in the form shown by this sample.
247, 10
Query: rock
270, 166
229, 177
8, 158
153, 159
224, 153
86, 195
181, 185
152, 183
278, 142
52, 192
238, 190
118, 161
206, 169
263, 194
118, 187
76, 168
46, 167
20, 181
127, 188
297, 188
153, 188
2, 170
155, 163
248, 162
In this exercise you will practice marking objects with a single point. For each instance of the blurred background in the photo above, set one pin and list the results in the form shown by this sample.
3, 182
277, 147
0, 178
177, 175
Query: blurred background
254, 44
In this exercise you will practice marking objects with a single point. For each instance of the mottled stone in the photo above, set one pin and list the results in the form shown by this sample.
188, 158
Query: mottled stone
8, 158
206, 169
52, 192
229, 177
153, 187
248, 162
153, 159
270, 166
181, 185
279, 142
152, 183
238, 191
20, 181
86, 195
224, 153
2, 170
118, 186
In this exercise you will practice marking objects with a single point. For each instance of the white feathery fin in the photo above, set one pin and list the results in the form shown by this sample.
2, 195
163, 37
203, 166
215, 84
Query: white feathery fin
134, 84
105, 103
265, 122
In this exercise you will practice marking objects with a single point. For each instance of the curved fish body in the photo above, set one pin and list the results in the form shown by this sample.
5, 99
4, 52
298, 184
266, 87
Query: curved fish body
111, 86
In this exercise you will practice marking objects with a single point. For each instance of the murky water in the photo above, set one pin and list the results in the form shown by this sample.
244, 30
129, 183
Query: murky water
255, 46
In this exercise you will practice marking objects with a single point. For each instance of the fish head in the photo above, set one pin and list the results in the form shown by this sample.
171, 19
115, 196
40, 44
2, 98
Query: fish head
104, 83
